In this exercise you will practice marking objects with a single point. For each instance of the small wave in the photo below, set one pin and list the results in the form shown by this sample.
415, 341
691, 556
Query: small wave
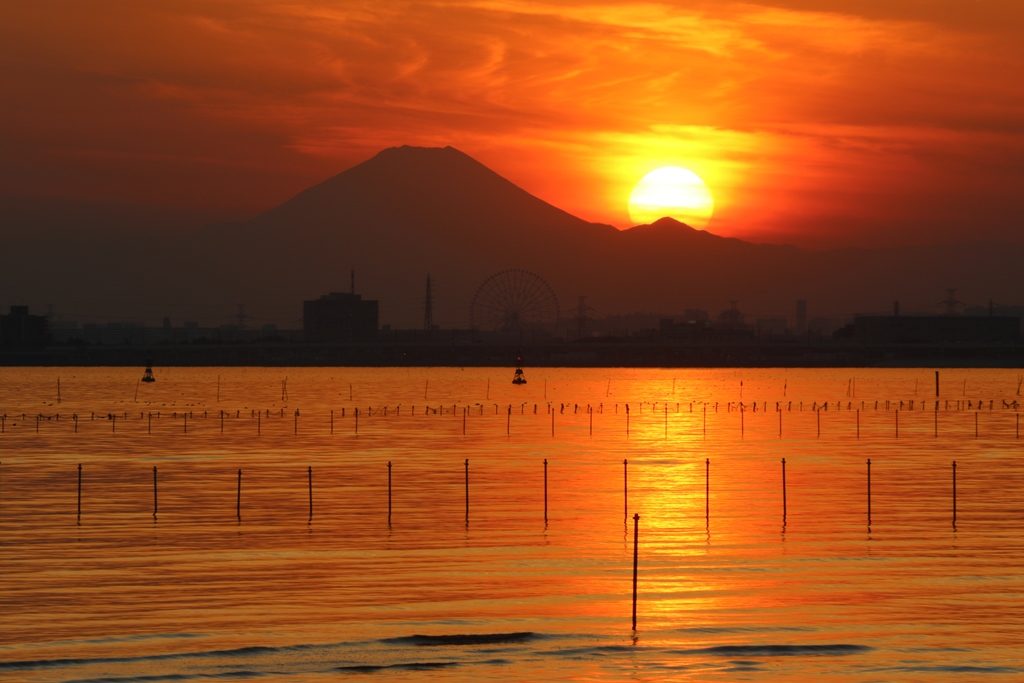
409, 666
580, 652
236, 652
957, 669
744, 629
464, 639
223, 675
780, 650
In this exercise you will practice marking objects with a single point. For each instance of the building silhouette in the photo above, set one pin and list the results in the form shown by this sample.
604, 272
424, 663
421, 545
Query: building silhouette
21, 330
340, 317
935, 329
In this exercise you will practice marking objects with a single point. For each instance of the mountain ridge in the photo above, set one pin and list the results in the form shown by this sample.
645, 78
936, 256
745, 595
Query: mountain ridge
410, 211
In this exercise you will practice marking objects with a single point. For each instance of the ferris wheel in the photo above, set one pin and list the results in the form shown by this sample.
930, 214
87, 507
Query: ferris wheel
514, 300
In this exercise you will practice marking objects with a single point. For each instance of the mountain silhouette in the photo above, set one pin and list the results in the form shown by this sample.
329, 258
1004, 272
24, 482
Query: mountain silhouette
410, 211
407, 212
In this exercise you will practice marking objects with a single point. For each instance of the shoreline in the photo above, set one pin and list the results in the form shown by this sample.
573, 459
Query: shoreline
579, 354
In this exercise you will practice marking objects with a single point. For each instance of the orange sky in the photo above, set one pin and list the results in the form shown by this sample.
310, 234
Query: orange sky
827, 122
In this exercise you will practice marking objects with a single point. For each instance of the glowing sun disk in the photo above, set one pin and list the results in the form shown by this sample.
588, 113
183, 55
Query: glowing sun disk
671, 191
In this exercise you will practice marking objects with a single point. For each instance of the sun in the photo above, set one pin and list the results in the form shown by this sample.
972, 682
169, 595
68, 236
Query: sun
671, 191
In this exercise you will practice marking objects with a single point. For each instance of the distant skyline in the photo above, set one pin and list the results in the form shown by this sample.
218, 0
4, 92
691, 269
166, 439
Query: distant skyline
826, 123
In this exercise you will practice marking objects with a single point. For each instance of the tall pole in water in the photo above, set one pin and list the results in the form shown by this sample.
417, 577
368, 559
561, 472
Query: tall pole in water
625, 490
869, 493
954, 494
636, 539
79, 515
707, 490
545, 491
783, 492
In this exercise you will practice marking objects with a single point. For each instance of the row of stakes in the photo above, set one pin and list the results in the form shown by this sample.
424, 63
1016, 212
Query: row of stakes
258, 415
625, 491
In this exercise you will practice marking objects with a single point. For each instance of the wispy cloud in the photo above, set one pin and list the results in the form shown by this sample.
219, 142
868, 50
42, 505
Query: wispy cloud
797, 112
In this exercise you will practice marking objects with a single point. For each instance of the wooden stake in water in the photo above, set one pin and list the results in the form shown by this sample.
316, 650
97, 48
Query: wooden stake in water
783, 492
636, 545
295, 428
309, 474
79, 506
154, 492
627, 419
389, 494
238, 497
625, 490
259, 423
590, 411
467, 491
869, 493
508, 421
545, 491
954, 494
185, 422
707, 490
357, 419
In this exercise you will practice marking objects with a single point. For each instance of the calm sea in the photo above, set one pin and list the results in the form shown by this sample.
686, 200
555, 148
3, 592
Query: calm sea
297, 573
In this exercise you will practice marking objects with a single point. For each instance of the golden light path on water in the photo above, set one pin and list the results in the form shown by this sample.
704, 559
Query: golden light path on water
728, 588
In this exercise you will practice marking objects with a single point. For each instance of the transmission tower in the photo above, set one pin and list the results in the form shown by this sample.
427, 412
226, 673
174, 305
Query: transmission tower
428, 308
950, 304
581, 316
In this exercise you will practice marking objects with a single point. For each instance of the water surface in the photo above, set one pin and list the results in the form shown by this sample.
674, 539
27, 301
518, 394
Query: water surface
730, 587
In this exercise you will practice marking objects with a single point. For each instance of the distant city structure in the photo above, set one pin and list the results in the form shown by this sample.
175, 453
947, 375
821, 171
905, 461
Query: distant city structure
515, 302
20, 329
340, 317
428, 307
801, 317
934, 329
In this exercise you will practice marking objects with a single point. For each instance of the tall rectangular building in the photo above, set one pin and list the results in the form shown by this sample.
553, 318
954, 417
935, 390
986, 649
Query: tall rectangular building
339, 317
